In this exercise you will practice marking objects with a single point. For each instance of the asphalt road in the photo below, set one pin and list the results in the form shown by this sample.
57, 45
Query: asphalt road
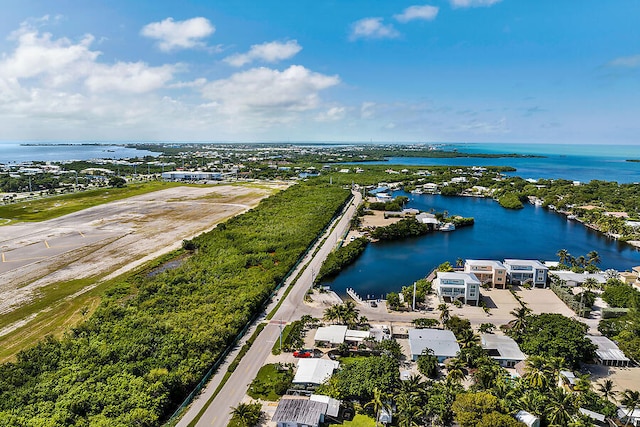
218, 412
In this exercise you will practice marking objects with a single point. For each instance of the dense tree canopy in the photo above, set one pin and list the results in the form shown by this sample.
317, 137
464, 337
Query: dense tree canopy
152, 338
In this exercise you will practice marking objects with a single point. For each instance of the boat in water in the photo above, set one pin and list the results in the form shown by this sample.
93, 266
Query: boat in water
449, 226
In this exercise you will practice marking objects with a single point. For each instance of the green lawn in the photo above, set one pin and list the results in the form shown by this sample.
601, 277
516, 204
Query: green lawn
270, 383
53, 207
359, 420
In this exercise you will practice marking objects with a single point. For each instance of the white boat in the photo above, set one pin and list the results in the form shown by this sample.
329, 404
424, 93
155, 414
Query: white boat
416, 191
571, 217
449, 226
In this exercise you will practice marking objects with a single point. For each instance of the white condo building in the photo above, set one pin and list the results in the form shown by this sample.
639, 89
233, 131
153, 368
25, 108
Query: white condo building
520, 271
461, 286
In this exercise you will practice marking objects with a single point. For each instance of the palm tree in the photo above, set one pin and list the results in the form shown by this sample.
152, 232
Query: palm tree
581, 261
459, 262
554, 365
455, 369
409, 410
332, 314
631, 401
520, 323
537, 372
560, 408
593, 258
606, 389
379, 402
563, 255
467, 338
445, 314
247, 414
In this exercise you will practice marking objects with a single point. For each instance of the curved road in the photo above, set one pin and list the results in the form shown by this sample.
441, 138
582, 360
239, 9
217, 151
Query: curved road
218, 412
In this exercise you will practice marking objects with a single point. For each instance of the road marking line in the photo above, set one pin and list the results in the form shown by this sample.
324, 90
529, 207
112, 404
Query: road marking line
81, 233
3, 257
213, 420
47, 244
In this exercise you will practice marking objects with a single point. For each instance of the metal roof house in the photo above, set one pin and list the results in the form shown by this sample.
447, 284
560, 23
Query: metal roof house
314, 371
292, 412
608, 353
442, 342
502, 349
337, 334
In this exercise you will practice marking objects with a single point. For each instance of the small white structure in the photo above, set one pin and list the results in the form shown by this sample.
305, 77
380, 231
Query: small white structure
608, 353
528, 419
337, 334
633, 417
333, 405
333, 334
443, 343
461, 286
596, 418
521, 271
487, 271
314, 371
502, 349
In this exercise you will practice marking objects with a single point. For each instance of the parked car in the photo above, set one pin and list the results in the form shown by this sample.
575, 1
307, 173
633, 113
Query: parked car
303, 353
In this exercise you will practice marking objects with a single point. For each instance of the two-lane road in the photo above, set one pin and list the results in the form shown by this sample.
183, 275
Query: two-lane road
218, 412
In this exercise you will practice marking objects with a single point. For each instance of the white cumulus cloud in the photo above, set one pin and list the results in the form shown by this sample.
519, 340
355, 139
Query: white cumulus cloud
270, 91
424, 13
332, 114
173, 35
472, 3
131, 77
268, 52
372, 28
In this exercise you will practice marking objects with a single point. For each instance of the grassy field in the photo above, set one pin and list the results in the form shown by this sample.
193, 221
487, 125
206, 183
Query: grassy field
359, 420
270, 383
53, 207
51, 313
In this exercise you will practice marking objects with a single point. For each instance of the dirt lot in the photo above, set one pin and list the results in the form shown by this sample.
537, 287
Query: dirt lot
111, 239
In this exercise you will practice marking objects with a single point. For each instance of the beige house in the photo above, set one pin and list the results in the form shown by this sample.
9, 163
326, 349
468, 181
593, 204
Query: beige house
489, 272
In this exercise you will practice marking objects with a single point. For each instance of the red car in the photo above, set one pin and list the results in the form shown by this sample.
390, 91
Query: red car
303, 353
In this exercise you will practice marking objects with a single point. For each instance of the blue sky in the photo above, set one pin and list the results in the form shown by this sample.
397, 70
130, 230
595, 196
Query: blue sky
352, 70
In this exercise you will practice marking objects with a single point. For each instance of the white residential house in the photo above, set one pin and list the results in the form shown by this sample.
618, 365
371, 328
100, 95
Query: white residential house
487, 271
461, 286
442, 342
521, 271
608, 353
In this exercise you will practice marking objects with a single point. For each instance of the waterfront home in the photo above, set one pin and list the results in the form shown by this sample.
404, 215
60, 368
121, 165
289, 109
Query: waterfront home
452, 286
521, 271
489, 272
313, 372
443, 343
608, 353
502, 349
295, 411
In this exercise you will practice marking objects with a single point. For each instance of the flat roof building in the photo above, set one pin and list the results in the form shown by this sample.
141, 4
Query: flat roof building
489, 272
522, 271
452, 286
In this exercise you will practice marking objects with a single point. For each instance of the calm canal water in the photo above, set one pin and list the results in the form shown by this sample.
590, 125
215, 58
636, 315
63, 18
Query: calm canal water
498, 233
